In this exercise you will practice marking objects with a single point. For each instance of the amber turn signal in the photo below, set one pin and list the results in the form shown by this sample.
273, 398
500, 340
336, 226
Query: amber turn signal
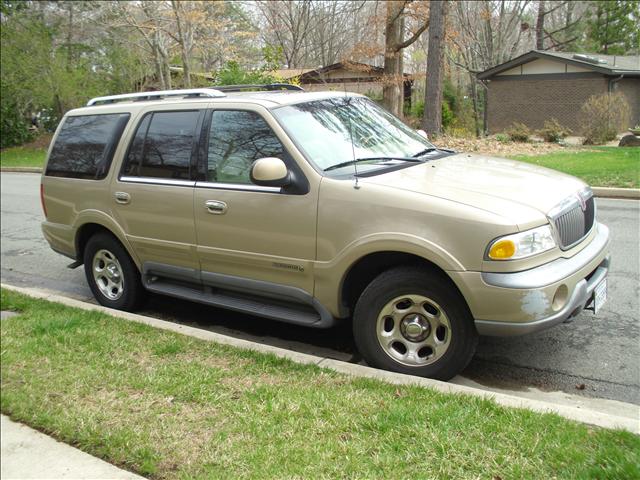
502, 250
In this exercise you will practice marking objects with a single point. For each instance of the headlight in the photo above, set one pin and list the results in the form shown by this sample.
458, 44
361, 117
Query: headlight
522, 245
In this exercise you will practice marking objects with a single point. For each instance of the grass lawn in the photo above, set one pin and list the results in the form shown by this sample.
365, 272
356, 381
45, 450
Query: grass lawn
598, 166
170, 406
22, 157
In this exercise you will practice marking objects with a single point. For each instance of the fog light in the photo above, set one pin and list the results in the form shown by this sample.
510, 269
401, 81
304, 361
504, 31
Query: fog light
560, 298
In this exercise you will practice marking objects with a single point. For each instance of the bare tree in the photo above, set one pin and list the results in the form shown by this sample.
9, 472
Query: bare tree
564, 17
147, 19
487, 33
332, 34
183, 36
396, 14
290, 24
432, 119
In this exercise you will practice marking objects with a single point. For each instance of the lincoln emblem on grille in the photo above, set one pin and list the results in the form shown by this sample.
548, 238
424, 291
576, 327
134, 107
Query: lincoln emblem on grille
583, 204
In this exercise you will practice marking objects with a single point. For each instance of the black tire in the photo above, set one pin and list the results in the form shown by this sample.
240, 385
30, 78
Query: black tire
460, 335
133, 293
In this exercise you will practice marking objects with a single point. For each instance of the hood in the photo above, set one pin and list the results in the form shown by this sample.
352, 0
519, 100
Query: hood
519, 191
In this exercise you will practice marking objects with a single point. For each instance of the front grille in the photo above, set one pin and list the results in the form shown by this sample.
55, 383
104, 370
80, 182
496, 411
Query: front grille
573, 224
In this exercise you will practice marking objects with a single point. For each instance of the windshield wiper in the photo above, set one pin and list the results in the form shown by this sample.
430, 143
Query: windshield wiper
425, 151
358, 160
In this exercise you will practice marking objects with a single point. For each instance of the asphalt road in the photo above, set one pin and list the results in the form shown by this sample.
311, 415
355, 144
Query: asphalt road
592, 356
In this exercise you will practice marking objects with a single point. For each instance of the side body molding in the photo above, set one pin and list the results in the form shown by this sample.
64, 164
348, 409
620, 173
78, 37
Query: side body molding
256, 297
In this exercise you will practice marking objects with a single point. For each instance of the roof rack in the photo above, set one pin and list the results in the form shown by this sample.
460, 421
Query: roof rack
158, 95
266, 86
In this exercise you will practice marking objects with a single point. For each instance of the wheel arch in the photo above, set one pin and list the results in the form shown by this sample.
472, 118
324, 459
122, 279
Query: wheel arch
362, 272
90, 228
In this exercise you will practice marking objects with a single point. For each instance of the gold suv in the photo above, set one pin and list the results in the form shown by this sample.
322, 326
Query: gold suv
314, 208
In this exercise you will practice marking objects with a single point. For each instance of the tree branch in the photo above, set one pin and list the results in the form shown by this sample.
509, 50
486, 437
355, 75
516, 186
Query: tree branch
413, 38
547, 12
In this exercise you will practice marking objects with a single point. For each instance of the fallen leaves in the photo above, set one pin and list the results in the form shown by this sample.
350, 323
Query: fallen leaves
491, 146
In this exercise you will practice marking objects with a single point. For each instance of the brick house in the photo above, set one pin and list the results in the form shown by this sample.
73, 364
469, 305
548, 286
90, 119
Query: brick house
539, 85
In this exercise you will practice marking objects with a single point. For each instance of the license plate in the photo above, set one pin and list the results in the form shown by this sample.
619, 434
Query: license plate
600, 296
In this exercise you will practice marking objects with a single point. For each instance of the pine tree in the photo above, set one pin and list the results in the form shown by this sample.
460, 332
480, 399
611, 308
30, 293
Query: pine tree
613, 28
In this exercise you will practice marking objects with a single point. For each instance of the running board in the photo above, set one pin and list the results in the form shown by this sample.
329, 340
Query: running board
295, 313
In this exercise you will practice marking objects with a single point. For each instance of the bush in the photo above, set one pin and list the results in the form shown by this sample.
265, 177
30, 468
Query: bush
233, 74
502, 138
553, 132
417, 110
518, 132
603, 116
447, 115
15, 128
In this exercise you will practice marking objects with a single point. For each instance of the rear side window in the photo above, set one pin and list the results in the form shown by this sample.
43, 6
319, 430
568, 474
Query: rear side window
162, 146
85, 146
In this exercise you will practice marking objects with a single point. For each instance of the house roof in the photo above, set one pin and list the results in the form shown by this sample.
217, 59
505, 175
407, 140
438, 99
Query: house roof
365, 68
605, 64
288, 73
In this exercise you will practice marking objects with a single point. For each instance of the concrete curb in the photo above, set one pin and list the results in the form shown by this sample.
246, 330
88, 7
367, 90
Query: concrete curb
584, 415
21, 169
606, 192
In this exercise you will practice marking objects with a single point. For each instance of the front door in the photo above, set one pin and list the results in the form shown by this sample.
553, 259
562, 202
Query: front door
153, 194
245, 230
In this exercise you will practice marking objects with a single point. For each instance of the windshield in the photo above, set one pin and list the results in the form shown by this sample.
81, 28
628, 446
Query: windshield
324, 128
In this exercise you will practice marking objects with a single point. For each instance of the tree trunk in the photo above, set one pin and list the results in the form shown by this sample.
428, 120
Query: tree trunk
432, 119
167, 72
485, 110
540, 26
476, 106
70, 38
392, 79
157, 60
184, 53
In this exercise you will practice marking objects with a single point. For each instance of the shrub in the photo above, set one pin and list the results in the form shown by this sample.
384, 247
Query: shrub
15, 128
417, 110
553, 132
447, 115
518, 132
234, 74
502, 138
603, 116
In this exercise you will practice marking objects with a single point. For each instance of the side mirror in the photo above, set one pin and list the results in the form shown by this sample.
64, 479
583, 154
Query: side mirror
422, 133
270, 172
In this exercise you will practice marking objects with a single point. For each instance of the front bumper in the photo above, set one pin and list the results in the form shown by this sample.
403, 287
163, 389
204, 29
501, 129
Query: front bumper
507, 304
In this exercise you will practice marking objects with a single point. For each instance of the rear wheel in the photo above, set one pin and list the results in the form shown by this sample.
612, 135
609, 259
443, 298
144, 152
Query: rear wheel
111, 274
414, 321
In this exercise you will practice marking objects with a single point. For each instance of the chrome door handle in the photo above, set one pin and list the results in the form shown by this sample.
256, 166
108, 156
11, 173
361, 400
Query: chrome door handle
216, 207
122, 197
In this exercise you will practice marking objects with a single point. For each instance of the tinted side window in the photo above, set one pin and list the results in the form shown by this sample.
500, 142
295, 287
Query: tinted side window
85, 145
162, 145
236, 140
136, 149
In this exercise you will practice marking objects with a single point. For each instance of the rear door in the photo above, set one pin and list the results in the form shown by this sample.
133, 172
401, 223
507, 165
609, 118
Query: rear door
152, 196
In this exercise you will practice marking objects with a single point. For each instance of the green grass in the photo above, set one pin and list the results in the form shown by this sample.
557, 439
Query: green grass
598, 166
22, 157
170, 406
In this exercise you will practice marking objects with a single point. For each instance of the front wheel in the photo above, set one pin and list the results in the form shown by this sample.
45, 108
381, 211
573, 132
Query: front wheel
414, 321
111, 274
